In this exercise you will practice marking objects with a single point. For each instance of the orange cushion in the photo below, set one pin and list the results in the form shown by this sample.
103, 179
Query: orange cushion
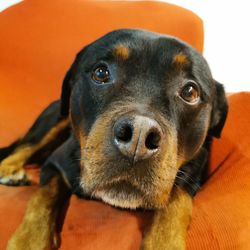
40, 38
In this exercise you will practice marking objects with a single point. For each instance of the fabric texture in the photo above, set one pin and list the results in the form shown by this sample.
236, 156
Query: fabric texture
41, 38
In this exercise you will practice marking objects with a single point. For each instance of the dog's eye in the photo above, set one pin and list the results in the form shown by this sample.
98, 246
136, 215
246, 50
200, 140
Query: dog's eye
101, 74
190, 92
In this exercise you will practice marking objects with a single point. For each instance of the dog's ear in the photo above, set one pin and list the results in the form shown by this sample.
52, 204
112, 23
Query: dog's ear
219, 112
67, 86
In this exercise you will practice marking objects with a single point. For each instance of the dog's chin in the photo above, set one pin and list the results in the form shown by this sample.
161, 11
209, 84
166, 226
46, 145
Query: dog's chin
120, 194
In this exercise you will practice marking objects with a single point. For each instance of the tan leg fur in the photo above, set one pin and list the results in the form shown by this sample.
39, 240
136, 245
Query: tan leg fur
39, 228
169, 227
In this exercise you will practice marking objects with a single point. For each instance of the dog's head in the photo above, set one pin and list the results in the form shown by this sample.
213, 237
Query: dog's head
141, 105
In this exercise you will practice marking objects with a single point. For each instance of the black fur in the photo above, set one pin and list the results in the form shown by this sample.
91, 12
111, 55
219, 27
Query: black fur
6, 151
220, 110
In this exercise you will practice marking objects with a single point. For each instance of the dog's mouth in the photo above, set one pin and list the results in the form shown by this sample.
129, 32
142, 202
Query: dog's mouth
130, 191
146, 184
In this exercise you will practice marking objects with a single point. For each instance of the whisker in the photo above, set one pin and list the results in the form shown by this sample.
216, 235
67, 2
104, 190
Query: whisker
194, 189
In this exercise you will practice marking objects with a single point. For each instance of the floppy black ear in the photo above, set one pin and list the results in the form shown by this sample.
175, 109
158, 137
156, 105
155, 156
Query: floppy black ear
219, 112
67, 86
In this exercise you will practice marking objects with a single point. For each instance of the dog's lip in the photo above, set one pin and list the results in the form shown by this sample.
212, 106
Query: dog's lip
120, 187
119, 183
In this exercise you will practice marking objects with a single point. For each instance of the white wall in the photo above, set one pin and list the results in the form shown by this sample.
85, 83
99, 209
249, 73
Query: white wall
6, 3
227, 38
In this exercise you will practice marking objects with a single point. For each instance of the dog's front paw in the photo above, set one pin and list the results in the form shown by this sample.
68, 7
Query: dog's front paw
163, 243
150, 243
145, 246
24, 239
13, 175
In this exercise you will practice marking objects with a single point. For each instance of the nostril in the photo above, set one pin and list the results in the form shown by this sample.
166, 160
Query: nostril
124, 132
153, 140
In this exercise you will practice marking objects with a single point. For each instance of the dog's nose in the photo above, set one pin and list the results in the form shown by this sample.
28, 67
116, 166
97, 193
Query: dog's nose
137, 138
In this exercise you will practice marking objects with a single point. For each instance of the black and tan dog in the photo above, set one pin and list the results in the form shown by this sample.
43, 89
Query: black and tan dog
133, 128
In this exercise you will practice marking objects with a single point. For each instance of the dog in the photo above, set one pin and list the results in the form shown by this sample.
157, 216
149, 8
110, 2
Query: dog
133, 128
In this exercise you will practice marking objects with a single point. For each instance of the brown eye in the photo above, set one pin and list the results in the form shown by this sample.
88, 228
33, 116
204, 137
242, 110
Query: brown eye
190, 93
101, 74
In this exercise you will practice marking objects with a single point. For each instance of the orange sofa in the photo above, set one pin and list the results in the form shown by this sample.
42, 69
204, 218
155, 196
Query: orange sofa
39, 39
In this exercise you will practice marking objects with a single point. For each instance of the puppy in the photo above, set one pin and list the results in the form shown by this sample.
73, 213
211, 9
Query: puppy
133, 128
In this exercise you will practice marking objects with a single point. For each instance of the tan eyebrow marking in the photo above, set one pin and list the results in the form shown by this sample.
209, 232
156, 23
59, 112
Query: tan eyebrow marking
180, 60
121, 52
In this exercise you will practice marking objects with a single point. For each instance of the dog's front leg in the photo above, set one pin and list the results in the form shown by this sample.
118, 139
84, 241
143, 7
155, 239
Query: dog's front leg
40, 227
169, 227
